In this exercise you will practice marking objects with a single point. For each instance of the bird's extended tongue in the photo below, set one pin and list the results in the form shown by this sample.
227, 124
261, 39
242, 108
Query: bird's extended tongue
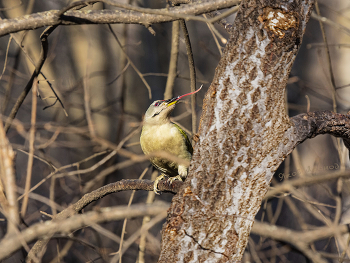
174, 100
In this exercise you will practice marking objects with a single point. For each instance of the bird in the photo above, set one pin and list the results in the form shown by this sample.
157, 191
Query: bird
160, 134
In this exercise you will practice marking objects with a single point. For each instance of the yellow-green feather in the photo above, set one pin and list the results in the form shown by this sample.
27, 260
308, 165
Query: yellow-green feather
188, 142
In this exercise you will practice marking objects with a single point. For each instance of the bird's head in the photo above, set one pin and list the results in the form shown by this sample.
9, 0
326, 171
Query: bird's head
159, 111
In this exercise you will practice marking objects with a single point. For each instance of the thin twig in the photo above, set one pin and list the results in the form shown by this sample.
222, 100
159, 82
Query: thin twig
142, 246
52, 196
43, 55
211, 29
120, 252
120, 74
40, 198
329, 61
299, 239
224, 14
172, 73
87, 98
192, 74
143, 230
287, 186
19, 44
331, 23
8, 183
69, 166
6, 57
131, 63
330, 69
88, 186
31, 149
322, 45
9, 84
223, 22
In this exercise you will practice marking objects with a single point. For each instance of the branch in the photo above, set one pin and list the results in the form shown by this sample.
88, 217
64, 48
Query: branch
9, 202
121, 185
299, 239
23, 95
192, 69
144, 16
308, 125
131, 63
87, 199
288, 186
174, 53
331, 23
40, 230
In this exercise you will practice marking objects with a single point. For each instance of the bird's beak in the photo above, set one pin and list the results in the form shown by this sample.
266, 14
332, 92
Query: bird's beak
172, 101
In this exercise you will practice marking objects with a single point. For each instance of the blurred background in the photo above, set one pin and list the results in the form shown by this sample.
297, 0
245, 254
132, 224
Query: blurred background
100, 74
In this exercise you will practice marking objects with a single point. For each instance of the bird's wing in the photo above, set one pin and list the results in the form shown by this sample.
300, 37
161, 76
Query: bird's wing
187, 140
165, 168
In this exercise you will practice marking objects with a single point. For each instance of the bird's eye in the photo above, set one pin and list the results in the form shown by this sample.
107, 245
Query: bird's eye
157, 104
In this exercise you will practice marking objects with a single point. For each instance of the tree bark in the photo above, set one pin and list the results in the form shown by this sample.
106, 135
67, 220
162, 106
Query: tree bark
244, 135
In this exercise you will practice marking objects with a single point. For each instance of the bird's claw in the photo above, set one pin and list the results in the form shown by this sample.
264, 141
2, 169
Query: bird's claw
155, 186
172, 179
161, 177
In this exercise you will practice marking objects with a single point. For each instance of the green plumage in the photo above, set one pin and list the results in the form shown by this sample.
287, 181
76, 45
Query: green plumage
188, 142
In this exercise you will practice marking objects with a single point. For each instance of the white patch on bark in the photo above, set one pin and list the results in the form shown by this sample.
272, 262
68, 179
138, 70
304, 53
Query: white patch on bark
187, 242
238, 192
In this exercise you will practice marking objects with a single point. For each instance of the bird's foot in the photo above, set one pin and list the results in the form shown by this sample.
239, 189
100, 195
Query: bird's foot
155, 186
172, 179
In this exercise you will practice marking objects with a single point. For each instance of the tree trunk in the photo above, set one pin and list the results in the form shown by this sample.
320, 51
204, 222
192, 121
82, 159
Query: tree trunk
244, 136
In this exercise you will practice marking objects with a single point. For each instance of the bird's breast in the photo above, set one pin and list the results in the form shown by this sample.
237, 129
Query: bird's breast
164, 137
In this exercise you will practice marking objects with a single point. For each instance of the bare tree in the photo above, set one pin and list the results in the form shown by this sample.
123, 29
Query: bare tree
91, 133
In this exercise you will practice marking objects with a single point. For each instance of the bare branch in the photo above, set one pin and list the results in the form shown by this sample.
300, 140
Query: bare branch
288, 185
192, 68
31, 148
308, 125
131, 63
8, 183
87, 199
144, 16
168, 93
13, 243
43, 55
331, 23
300, 240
